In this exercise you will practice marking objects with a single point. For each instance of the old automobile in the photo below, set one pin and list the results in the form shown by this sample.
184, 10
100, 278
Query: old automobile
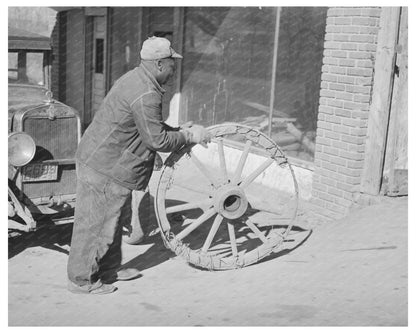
43, 137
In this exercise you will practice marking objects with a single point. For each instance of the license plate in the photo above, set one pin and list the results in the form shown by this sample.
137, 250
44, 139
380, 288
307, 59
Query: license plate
40, 172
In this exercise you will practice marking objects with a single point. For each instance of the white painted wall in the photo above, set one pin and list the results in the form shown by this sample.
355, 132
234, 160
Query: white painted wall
274, 177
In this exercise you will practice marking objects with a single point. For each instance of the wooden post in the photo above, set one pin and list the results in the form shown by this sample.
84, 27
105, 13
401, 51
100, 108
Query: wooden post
108, 47
88, 29
178, 39
274, 68
178, 27
47, 69
381, 97
396, 160
21, 67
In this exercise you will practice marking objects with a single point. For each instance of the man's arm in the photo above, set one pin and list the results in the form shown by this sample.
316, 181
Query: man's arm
170, 128
147, 114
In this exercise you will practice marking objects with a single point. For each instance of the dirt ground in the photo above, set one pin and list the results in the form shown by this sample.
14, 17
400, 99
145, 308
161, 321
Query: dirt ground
351, 272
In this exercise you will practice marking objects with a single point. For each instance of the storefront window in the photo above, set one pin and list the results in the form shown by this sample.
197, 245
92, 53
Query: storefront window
228, 64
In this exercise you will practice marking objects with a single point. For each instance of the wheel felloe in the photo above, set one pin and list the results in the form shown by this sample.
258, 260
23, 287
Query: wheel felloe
223, 225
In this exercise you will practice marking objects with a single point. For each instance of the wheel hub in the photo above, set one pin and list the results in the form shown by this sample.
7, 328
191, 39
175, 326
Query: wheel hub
230, 201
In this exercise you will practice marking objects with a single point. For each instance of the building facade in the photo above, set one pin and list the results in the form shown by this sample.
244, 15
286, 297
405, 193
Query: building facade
361, 141
328, 84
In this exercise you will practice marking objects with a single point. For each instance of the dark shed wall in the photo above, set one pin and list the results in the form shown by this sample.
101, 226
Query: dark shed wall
58, 42
75, 59
124, 40
129, 27
158, 21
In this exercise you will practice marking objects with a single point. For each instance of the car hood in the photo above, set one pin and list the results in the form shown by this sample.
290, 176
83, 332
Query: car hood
25, 95
26, 98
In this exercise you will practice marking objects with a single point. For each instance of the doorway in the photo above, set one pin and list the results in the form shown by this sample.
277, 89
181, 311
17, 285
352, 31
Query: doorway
96, 61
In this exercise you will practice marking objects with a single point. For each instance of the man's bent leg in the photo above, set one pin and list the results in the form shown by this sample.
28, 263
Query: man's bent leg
133, 231
97, 213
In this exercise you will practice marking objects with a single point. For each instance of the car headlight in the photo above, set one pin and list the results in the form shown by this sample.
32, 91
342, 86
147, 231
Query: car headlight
22, 148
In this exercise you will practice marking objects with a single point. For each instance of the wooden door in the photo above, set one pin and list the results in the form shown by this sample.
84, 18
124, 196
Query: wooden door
395, 173
98, 62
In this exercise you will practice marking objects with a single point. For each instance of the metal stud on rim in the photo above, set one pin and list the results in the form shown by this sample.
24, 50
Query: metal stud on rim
216, 225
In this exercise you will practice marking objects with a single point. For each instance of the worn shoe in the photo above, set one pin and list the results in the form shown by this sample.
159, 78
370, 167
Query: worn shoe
123, 274
97, 288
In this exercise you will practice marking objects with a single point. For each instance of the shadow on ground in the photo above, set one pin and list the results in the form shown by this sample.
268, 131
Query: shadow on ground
158, 252
57, 237
52, 238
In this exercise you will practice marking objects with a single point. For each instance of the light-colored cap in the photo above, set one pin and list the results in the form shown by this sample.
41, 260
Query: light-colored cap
157, 48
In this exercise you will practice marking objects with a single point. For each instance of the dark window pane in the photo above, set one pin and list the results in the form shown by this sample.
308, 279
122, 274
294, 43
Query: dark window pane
228, 64
99, 55
298, 78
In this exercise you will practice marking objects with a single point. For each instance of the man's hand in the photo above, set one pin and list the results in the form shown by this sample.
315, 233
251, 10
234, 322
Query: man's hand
197, 134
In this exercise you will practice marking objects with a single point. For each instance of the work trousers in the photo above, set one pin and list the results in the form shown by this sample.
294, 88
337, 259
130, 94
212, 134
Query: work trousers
102, 208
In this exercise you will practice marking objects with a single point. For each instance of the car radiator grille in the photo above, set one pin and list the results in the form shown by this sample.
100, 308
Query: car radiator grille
58, 137
55, 140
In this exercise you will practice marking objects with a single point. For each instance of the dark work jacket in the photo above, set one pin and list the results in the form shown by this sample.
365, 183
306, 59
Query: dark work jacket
128, 128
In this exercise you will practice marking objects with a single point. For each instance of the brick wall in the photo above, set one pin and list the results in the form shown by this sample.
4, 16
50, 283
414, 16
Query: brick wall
345, 97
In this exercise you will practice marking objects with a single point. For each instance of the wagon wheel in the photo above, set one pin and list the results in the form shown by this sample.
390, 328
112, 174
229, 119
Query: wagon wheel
222, 215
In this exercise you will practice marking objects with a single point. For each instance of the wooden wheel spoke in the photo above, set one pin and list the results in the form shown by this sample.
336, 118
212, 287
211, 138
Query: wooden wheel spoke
194, 189
219, 193
256, 230
233, 241
201, 167
221, 155
195, 224
241, 163
212, 232
187, 206
257, 172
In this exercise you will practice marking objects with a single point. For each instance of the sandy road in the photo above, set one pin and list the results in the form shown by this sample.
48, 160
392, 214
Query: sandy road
351, 272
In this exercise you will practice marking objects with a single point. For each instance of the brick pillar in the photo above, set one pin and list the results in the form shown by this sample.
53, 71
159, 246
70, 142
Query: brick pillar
345, 97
